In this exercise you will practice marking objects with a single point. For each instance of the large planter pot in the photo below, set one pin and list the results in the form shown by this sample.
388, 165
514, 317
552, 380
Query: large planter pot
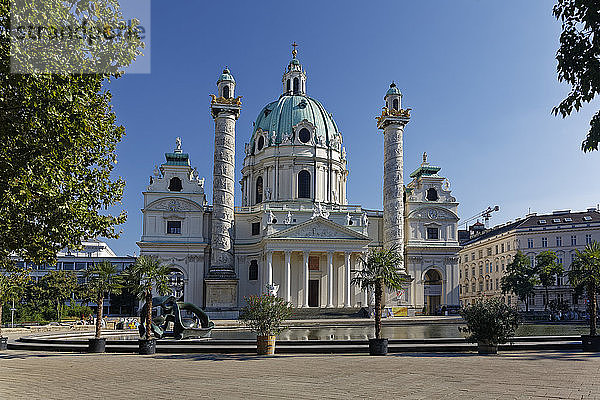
97, 345
487, 349
3, 343
378, 347
590, 343
147, 347
265, 345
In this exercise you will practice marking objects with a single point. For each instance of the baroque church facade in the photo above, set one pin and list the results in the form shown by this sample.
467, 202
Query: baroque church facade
294, 233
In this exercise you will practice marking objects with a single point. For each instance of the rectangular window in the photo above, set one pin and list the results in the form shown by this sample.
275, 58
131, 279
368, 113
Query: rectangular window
497, 281
588, 238
530, 243
559, 280
573, 240
561, 298
507, 246
68, 266
502, 265
487, 285
532, 300
253, 271
466, 258
532, 261
432, 233
173, 227
496, 249
460, 274
472, 256
489, 251
496, 266
558, 241
481, 286
467, 288
473, 287
502, 248
544, 242
255, 228
480, 253
313, 263
80, 266
481, 270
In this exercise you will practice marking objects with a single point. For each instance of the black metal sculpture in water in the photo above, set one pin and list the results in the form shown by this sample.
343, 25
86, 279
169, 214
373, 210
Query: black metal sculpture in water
198, 326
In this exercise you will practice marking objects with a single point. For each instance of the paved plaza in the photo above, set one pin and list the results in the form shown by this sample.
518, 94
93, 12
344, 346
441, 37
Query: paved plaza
533, 375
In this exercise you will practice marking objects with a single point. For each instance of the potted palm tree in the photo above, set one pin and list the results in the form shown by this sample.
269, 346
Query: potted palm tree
380, 270
490, 322
12, 281
585, 274
101, 279
264, 315
144, 276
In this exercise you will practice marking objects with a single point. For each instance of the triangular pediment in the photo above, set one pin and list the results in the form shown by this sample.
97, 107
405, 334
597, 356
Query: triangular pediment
319, 228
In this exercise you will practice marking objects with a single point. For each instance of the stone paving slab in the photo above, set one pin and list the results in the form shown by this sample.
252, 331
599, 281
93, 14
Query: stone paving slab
525, 375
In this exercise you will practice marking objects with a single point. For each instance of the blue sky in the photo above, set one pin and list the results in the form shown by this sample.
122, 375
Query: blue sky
480, 77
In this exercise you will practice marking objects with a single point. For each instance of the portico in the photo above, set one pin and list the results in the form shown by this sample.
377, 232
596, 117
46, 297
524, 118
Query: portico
312, 264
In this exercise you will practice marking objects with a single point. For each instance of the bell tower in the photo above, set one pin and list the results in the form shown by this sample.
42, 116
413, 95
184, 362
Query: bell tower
221, 281
294, 77
392, 121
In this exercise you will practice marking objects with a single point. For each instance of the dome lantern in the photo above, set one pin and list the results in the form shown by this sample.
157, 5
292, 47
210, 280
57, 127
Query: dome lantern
294, 77
393, 98
226, 84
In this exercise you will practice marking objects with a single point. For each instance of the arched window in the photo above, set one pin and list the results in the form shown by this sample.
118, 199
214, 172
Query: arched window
304, 135
432, 194
296, 86
304, 184
261, 143
395, 104
175, 185
287, 86
259, 190
226, 92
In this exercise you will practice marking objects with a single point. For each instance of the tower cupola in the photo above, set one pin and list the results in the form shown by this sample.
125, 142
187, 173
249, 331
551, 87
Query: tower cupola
294, 77
393, 98
226, 85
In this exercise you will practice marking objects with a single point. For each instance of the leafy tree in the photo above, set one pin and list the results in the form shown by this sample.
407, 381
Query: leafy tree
58, 287
103, 278
144, 276
520, 278
579, 60
548, 269
380, 270
58, 130
264, 314
585, 273
12, 280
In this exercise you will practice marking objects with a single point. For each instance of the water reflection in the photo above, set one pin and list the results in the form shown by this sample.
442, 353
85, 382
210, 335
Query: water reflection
394, 332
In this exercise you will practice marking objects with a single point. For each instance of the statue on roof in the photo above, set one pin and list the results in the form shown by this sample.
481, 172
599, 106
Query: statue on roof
178, 143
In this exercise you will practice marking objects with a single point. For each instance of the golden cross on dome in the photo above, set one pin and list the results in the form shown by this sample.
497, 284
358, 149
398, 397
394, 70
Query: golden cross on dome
294, 52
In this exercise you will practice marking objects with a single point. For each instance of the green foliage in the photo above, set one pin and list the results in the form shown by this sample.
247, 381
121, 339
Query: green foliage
520, 278
12, 281
145, 274
579, 60
58, 135
101, 279
78, 311
490, 321
585, 274
264, 314
57, 287
547, 269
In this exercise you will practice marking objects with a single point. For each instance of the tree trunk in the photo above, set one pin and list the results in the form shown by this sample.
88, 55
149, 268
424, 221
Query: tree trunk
99, 316
593, 309
378, 306
1, 305
546, 302
148, 314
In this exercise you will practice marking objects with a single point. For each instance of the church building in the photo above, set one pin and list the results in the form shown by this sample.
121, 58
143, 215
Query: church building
294, 233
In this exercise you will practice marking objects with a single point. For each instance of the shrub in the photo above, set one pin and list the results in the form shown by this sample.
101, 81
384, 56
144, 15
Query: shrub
264, 314
490, 321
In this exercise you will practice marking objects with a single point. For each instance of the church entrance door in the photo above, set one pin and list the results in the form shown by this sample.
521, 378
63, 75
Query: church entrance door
433, 291
313, 293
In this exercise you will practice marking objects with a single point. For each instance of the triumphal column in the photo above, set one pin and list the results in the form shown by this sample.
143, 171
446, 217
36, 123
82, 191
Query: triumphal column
221, 281
392, 120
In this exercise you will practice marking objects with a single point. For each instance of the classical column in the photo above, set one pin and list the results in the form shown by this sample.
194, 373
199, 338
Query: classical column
305, 280
330, 279
288, 281
269, 268
347, 279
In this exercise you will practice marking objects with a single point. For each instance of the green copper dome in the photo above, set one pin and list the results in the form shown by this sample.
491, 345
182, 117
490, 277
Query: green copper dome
393, 90
282, 115
226, 76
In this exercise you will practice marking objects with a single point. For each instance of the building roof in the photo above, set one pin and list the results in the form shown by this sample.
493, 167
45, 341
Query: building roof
177, 159
557, 218
226, 76
393, 90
